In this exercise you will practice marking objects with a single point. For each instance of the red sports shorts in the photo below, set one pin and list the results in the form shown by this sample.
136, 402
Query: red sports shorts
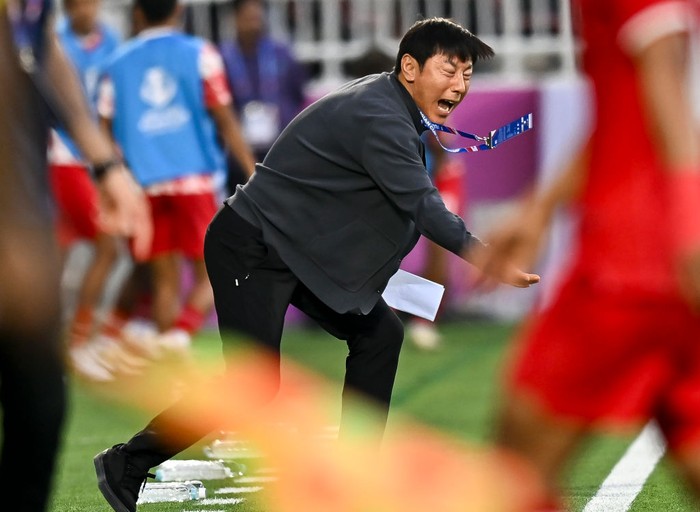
77, 201
180, 223
614, 359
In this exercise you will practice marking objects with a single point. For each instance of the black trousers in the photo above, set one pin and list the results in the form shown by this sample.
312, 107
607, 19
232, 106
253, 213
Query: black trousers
252, 290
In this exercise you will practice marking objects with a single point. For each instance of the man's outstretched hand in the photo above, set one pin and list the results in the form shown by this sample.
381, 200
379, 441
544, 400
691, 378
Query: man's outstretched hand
494, 267
513, 246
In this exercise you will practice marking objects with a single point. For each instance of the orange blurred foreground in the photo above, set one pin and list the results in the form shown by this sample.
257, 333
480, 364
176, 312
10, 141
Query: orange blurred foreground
416, 469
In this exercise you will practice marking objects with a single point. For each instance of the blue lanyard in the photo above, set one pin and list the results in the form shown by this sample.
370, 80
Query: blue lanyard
28, 19
490, 141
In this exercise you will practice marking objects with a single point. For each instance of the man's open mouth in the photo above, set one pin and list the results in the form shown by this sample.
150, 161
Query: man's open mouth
446, 105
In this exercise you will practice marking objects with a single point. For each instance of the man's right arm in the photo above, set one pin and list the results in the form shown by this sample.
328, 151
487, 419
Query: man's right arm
517, 242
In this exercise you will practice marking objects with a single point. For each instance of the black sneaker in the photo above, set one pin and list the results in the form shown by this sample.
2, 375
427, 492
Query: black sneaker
119, 480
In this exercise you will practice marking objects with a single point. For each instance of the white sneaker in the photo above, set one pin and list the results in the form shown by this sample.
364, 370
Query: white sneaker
117, 357
85, 361
176, 341
142, 337
424, 335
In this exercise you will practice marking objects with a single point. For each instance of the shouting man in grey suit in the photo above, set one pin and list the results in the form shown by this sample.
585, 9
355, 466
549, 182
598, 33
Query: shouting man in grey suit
342, 196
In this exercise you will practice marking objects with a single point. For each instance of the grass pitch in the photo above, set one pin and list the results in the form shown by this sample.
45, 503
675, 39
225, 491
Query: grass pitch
454, 389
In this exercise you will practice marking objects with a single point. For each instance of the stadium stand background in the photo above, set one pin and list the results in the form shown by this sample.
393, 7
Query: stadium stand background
535, 70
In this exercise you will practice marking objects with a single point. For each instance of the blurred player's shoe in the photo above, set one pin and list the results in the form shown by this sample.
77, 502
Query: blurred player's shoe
141, 336
119, 479
424, 335
176, 342
116, 356
86, 363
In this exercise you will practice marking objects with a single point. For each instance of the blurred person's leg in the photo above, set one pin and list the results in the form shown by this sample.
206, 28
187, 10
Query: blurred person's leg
77, 200
678, 414
129, 322
192, 213
199, 302
134, 300
164, 262
688, 461
32, 376
32, 387
166, 268
544, 441
91, 293
604, 360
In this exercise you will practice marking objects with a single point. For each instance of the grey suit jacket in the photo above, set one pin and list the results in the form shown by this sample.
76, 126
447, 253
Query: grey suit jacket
343, 194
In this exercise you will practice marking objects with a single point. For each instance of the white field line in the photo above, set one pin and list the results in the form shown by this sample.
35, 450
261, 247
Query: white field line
255, 479
220, 501
627, 478
238, 490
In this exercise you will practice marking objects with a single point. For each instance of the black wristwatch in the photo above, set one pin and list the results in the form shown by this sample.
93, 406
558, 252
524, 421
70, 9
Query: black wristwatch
100, 169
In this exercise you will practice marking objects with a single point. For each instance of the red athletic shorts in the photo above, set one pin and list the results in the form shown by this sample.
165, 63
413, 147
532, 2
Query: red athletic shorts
180, 223
611, 359
77, 201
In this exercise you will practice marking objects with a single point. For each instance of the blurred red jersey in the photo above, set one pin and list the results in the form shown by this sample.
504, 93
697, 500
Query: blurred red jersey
625, 244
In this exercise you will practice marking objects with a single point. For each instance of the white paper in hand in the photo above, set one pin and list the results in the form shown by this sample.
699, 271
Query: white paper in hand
413, 294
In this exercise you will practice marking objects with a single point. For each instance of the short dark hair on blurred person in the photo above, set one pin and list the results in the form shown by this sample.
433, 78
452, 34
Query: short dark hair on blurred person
156, 10
433, 36
237, 4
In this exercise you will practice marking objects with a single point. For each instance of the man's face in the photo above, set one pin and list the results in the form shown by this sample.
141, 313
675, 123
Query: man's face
83, 15
250, 21
441, 85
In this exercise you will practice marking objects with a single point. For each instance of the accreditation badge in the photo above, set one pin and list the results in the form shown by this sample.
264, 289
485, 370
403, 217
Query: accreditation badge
261, 123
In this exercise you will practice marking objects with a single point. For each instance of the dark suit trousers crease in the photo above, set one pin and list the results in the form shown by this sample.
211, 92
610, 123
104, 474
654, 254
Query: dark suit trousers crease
252, 290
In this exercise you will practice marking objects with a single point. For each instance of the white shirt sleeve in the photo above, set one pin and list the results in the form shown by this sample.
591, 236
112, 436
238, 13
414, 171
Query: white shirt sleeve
655, 22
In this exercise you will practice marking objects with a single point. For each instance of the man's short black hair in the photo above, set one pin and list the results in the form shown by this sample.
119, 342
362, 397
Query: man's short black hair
433, 36
156, 11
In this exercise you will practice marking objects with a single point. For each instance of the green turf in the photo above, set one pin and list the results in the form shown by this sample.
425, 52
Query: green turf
454, 389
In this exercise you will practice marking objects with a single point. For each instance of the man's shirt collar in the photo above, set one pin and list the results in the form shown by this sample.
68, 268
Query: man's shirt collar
410, 104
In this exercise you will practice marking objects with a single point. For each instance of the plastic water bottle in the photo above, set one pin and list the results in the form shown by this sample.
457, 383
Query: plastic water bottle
172, 492
229, 449
183, 470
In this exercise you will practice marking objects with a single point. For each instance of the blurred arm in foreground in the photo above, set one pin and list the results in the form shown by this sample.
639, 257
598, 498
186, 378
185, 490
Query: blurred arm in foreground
599, 354
124, 208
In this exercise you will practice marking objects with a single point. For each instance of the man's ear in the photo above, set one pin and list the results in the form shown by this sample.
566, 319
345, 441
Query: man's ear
409, 67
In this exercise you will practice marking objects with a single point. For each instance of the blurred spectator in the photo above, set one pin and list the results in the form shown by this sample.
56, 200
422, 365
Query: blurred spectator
164, 98
266, 79
619, 344
88, 42
371, 61
38, 84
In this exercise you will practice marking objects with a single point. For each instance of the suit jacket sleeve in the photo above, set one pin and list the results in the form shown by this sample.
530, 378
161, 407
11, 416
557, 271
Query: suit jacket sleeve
391, 155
